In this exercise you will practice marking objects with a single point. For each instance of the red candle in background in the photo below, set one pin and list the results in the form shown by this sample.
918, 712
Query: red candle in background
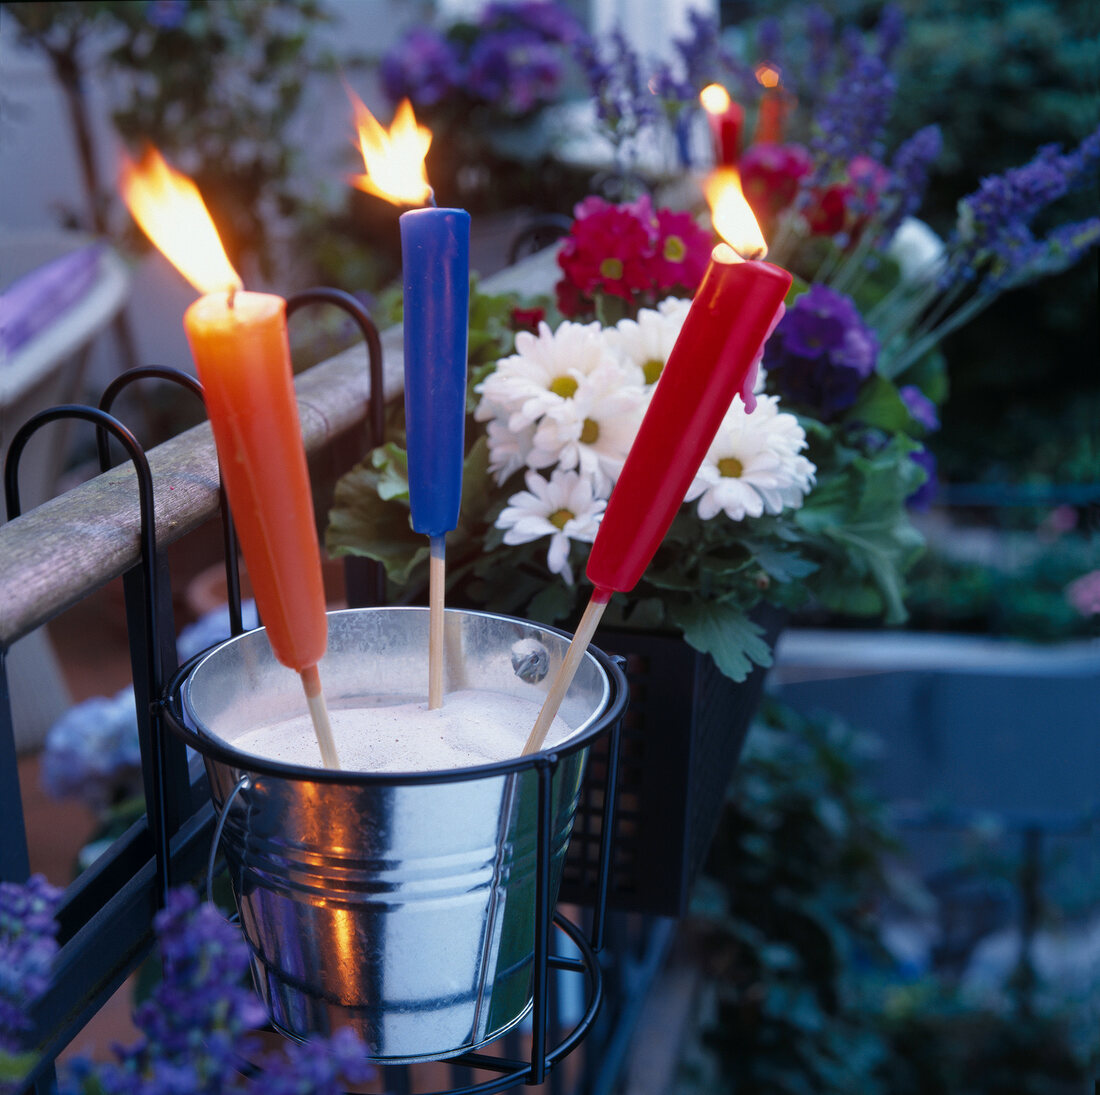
775, 105
731, 315
726, 120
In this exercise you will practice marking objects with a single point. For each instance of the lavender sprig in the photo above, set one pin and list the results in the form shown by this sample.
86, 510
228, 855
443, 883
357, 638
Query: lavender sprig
993, 238
27, 949
909, 169
853, 118
196, 1027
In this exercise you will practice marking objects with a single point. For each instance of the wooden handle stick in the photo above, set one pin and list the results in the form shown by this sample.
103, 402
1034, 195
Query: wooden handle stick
437, 570
318, 712
567, 670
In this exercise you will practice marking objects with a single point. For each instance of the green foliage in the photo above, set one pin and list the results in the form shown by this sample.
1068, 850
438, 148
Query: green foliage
800, 996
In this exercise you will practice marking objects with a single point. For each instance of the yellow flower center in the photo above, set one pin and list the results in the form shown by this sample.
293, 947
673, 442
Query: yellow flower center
560, 517
674, 249
651, 370
611, 269
730, 467
565, 386
590, 432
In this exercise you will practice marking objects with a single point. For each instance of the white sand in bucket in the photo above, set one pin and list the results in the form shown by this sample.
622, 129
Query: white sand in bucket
472, 727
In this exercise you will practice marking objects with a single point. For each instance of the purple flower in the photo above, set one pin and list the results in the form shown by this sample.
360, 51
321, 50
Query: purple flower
920, 407
909, 169
819, 28
993, 238
196, 1024
769, 40
514, 71
166, 14
424, 67
549, 21
921, 499
853, 118
821, 353
27, 947
890, 31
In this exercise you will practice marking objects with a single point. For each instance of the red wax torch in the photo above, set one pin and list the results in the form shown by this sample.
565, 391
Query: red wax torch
732, 314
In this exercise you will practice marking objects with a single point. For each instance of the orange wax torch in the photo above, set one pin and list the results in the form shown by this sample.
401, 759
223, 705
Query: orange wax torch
239, 343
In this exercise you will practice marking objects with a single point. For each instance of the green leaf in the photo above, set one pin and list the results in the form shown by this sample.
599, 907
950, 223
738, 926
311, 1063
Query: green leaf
726, 634
880, 406
362, 522
392, 463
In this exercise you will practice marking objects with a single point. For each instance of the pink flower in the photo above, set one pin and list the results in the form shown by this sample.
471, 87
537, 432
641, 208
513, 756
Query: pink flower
609, 248
629, 251
770, 174
1084, 594
847, 206
682, 252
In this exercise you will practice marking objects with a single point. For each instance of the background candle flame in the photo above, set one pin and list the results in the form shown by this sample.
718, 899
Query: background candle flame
732, 216
767, 75
394, 158
170, 210
715, 99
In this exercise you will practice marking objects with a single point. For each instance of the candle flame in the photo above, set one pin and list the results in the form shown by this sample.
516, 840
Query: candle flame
170, 210
715, 99
733, 219
767, 75
394, 158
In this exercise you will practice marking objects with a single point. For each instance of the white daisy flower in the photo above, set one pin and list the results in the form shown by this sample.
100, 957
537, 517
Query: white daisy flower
647, 341
593, 431
754, 465
563, 508
508, 449
542, 374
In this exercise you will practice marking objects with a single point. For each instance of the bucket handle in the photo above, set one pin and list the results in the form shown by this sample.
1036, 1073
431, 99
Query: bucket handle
241, 785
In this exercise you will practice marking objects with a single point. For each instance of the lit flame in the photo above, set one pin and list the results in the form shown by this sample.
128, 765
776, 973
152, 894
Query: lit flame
394, 158
733, 219
767, 75
170, 211
715, 99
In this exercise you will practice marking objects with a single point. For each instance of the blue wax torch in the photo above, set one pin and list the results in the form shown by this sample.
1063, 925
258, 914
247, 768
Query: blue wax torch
435, 257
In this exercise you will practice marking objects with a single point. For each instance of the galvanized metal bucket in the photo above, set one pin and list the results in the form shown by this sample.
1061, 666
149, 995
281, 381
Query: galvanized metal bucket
399, 904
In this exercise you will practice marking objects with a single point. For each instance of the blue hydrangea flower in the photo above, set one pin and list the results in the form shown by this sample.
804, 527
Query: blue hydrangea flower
213, 628
93, 752
821, 353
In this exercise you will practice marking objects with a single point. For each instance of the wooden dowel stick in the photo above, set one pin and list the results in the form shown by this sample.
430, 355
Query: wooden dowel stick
567, 671
437, 571
318, 712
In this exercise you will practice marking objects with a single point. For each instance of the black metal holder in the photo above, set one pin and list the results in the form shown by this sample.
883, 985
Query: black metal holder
178, 822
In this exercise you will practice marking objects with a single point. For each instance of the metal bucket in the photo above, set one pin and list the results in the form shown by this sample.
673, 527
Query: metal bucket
401, 905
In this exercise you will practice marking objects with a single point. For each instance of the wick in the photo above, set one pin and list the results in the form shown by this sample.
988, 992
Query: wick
232, 297
431, 199
755, 255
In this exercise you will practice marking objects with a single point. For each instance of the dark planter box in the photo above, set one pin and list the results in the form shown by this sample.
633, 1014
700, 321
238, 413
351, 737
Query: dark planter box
681, 738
